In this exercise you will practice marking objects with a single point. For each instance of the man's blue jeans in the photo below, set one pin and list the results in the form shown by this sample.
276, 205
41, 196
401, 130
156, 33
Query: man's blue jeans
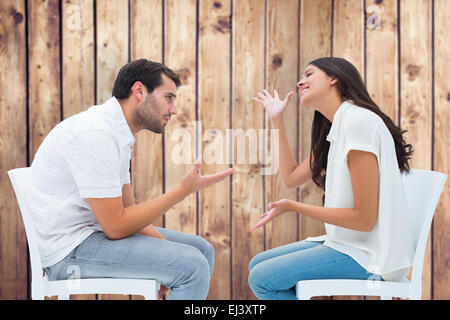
184, 262
274, 273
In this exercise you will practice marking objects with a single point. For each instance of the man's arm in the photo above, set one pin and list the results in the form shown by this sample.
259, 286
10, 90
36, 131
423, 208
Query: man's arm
128, 201
119, 222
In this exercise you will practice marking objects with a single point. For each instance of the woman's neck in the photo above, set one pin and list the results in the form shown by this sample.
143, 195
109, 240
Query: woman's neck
330, 106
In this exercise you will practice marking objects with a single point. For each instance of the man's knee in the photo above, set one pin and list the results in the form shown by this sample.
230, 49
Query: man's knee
196, 266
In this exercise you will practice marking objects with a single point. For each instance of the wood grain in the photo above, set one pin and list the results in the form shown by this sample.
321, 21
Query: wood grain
112, 54
77, 56
146, 42
282, 75
441, 224
44, 70
315, 42
247, 118
78, 65
382, 55
348, 32
416, 95
348, 43
180, 34
13, 144
218, 57
214, 112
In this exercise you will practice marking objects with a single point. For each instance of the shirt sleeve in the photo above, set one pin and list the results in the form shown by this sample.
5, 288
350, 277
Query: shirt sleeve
361, 134
126, 172
94, 162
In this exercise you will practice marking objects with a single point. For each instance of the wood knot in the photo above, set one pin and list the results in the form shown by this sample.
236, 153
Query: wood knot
217, 4
184, 74
223, 25
412, 71
18, 18
277, 61
412, 115
379, 1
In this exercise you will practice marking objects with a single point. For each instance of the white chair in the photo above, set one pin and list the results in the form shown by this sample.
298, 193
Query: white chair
42, 287
423, 189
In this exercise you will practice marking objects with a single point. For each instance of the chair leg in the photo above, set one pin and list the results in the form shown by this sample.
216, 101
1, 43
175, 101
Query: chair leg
385, 298
64, 297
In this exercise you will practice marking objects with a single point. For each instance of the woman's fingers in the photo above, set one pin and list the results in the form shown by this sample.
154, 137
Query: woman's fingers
262, 96
258, 100
265, 217
261, 223
288, 96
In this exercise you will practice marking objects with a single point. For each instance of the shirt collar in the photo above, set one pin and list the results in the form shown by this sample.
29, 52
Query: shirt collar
332, 135
120, 126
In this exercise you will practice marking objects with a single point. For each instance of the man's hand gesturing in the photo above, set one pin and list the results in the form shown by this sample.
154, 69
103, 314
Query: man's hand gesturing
194, 181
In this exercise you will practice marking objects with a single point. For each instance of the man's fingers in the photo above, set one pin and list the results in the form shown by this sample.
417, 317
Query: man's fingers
197, 165
216, 177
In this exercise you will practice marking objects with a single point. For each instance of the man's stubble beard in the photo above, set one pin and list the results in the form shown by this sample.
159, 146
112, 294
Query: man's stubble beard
147, 117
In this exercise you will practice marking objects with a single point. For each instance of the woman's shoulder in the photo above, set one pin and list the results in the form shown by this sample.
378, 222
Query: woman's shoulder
360, 120
357, 113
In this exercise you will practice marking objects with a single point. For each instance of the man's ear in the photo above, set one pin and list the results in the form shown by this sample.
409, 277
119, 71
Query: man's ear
138, 90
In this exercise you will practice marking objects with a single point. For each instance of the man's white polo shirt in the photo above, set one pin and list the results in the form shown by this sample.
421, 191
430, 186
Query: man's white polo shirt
387, 249
85, 156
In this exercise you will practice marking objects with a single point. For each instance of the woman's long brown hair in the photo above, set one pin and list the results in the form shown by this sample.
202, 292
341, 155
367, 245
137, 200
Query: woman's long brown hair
351, 87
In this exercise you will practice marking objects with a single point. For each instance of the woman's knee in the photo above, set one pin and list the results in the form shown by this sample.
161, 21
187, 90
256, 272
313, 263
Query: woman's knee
259, 280
256, 260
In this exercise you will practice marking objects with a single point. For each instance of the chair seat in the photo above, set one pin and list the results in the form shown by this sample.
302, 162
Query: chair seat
327, 287
145, 287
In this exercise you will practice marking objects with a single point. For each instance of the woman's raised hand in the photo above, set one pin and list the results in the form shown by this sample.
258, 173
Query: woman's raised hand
273, 105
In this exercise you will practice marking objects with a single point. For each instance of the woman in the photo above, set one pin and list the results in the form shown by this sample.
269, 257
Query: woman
357, 157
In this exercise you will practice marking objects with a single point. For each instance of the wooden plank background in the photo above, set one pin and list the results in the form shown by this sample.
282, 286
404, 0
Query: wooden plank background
59, 57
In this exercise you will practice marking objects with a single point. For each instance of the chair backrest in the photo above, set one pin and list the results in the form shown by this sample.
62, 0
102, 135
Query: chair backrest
20, 180
423, 189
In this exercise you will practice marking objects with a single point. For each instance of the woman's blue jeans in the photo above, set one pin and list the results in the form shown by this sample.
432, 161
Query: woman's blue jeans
184, 262
274, 273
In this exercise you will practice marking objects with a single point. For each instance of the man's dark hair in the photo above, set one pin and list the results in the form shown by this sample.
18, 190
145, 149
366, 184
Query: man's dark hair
145, 71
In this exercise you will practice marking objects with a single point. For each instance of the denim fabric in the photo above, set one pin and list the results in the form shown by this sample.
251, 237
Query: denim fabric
184, 262
274, 273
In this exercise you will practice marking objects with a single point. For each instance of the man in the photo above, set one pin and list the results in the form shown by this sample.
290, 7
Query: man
83, 204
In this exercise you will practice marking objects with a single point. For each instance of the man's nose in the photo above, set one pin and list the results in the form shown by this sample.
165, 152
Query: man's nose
173, 109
